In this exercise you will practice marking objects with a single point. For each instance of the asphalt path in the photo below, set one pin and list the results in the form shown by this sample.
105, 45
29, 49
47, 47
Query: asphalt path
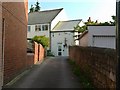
54, 72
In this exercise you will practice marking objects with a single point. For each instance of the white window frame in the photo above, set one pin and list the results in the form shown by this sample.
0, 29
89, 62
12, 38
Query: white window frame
47, 27
38, 27
41, 26
29, 28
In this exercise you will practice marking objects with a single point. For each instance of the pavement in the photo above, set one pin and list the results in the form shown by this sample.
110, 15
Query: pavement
54, 72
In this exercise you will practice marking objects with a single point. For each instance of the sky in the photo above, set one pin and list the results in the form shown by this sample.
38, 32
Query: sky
100, 10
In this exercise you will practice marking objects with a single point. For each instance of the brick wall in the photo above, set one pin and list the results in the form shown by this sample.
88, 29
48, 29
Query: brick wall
38, 52
30, 59
1, 47
99, 63
38, 55
15, 47
41, 53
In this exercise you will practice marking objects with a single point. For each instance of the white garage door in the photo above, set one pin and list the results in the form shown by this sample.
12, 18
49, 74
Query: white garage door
104, 41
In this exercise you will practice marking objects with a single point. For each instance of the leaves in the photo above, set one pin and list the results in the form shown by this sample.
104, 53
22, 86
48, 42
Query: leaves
36, 8
44, 41
31, 9
80, 29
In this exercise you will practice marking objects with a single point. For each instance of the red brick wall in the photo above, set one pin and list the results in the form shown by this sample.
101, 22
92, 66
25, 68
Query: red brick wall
99, 63
41, 52
35, 52
38, 52
15, 51
30, 59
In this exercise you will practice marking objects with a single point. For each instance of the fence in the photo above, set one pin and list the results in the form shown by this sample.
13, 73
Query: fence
99, 63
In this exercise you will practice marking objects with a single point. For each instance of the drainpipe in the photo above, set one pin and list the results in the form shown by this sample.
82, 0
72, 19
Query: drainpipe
50, 35
118, 44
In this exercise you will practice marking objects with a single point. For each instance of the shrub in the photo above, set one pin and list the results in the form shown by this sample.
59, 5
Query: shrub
44, 41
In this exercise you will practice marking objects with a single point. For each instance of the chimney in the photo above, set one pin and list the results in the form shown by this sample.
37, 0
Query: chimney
89, 20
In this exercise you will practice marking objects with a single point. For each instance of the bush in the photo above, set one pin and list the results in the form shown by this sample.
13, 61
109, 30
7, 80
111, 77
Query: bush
44, 41
49, 53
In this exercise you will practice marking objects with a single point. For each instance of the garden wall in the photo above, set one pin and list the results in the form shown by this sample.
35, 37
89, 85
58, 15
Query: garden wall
39, 52
99, 63
37, 56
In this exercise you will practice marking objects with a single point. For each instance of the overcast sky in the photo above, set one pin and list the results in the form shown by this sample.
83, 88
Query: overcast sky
100, 10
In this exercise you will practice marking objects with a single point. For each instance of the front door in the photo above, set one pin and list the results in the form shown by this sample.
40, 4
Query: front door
59, 49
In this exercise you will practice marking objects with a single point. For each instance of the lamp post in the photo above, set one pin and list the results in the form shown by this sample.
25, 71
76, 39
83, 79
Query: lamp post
118, 44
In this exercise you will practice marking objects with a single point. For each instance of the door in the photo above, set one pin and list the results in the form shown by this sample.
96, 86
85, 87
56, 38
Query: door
59, 49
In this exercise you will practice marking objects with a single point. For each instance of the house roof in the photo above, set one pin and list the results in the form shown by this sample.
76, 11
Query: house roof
66, 25
43, 17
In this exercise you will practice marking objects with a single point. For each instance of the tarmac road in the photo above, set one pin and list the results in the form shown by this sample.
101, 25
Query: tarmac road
54, 72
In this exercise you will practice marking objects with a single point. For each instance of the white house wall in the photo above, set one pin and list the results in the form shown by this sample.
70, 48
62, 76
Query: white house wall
59, 37
60, 17
81, 23
76, 33
101, 31
33, 33
75, 38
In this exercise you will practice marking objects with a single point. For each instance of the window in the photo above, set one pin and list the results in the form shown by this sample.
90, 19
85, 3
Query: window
37, 27
29, 28
60, 49
44, 27
53, 35
65, 32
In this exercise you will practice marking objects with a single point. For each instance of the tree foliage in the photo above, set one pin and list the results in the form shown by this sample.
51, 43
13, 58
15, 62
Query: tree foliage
31, 9
36, 8
92, 23
44, 41
80, 29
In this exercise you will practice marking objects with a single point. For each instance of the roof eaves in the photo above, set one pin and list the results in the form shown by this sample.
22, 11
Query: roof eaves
62, 31
73, 20
57, 13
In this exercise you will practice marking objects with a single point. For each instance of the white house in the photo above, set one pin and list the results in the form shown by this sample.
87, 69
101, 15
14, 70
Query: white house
62, 36
54, 24
99, 36
41, 23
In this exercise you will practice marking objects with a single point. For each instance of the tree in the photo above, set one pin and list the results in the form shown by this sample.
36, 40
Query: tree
37, 7
114, 20
31, 9
80, 29
44, 41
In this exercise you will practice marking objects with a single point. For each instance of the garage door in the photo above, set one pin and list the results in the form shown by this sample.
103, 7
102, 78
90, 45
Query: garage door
104, 41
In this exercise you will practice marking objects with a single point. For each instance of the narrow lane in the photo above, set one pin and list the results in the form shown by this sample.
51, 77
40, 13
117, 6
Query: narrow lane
54, 72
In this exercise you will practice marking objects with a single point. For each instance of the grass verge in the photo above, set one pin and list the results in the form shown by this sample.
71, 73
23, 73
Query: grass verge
83, 77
